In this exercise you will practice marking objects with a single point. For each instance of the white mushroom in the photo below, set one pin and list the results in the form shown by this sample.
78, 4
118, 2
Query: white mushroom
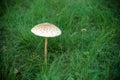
46, 30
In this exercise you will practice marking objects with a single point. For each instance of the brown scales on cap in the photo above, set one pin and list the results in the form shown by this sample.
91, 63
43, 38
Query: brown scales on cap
46, 30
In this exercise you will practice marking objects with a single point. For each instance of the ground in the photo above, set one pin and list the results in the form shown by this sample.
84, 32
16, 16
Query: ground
88, 49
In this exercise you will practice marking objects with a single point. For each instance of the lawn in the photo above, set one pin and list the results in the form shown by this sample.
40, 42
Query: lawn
87, 49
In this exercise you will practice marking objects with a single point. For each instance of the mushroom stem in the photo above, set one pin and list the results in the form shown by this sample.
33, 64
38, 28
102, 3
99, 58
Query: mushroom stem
45, 50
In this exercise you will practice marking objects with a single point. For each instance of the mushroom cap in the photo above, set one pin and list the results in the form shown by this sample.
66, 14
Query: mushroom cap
46, 30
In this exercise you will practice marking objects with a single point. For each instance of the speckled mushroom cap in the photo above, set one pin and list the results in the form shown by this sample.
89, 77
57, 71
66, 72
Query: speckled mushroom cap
46, 30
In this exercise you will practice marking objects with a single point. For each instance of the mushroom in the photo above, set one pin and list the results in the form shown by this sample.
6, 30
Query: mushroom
46, 30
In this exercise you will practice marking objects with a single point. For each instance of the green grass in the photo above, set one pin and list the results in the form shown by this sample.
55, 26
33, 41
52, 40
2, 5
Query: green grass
75, 55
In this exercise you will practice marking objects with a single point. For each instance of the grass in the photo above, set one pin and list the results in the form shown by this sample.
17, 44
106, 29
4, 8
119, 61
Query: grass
88, 48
